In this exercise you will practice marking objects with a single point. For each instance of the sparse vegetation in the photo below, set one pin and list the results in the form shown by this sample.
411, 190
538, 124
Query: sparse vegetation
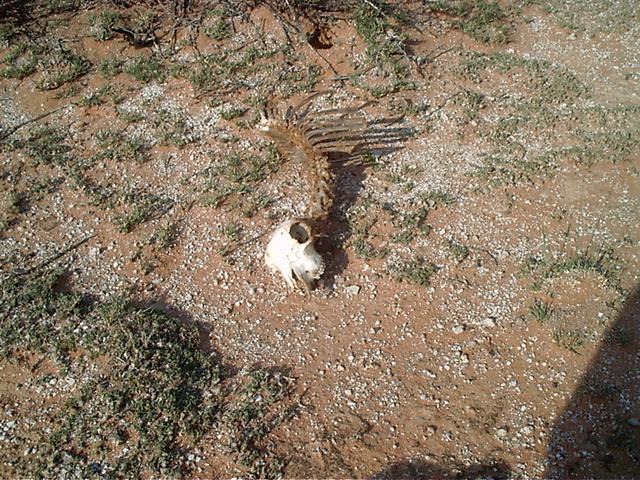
102, 24
486, 22
568, 338
139, 327
541, 310
166, 236
384, 43
435, 199
110, 67
143, 391
231, 113
237, 174
231, 236
620, 336
377, 24
410, 224
227, 71
458, 251
216, 24
21, 60
602, 262
145, 69
118, 146
417, 271
499, 169
361, 221
62, 66
45, 144
140, 207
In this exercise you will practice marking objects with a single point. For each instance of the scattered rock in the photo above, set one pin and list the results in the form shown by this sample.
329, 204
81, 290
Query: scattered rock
488, 322
352, 290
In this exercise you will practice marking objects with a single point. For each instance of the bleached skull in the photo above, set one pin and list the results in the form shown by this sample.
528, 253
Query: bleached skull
291, 253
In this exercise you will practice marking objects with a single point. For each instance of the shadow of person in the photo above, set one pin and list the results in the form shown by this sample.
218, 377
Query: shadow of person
420, 470
598, 433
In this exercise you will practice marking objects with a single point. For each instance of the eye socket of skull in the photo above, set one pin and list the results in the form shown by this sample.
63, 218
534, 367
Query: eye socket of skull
299, 232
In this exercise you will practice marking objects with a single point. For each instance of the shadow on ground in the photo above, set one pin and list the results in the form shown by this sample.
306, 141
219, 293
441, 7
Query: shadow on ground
597, 436
419, 470
598, 433
382, 138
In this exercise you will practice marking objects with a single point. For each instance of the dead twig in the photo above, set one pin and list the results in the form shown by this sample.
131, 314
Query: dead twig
6, 134
324, 59
443, 104
53, 258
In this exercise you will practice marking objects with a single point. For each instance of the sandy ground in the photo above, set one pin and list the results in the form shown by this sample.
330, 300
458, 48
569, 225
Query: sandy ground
535, 144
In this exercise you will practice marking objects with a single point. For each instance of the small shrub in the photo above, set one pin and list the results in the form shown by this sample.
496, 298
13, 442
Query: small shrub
110, 67
101, 25
145, 69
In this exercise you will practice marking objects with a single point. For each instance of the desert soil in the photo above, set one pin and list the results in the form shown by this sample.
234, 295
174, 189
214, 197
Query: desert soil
513, 203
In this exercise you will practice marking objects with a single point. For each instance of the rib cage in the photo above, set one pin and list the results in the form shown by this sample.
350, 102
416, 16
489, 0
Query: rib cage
313, 138
308, 137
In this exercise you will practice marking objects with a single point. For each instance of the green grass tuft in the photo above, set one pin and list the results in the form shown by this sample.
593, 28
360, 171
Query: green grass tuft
146, 69
417, 271
21, 60
486, 22
110, 67
541, 310
63, 66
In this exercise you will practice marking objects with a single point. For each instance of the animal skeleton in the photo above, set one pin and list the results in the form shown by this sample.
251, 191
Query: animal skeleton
308, 137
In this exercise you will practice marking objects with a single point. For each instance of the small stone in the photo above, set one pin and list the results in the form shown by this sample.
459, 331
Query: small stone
501, 432
464, 358
352, 289
527, 429
488, 322
457, 329
431, 430
634, 422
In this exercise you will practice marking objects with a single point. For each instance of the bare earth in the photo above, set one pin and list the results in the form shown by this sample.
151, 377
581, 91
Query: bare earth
515, 357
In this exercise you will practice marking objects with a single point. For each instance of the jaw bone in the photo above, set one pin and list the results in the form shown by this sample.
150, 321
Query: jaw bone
291, 253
